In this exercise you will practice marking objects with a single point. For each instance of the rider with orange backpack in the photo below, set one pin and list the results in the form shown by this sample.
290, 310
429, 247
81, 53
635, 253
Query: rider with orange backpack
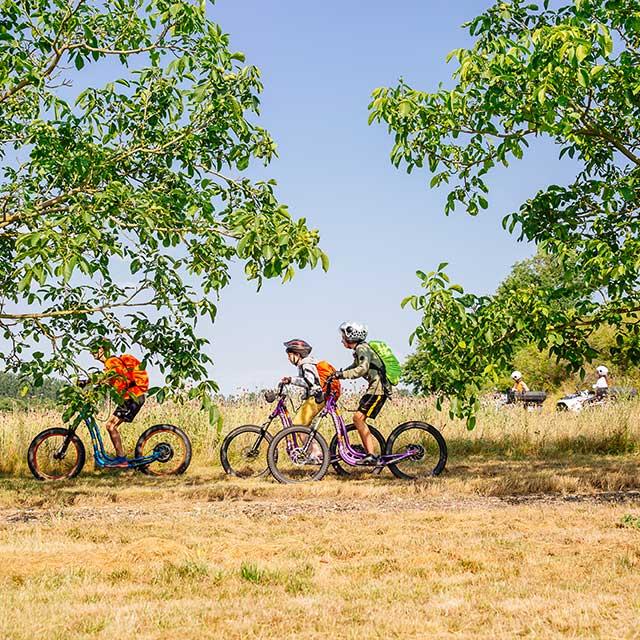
312, 376
131, 381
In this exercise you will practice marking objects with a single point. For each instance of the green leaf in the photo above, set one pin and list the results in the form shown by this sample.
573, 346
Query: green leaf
582, 51
583, 78
325, 261
405, 108
607, 41
542, 94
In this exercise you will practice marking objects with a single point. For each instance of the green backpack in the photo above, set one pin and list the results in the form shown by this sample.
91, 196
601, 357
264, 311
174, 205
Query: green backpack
392, 368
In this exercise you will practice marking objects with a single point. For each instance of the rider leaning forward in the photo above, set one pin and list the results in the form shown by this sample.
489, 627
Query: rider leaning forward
126, 375
366, 364
299, 354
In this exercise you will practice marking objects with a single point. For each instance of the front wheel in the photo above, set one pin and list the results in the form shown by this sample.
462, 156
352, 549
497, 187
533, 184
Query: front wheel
420, 448
170, 445
340, 466
244, 451
56, 454
297, 454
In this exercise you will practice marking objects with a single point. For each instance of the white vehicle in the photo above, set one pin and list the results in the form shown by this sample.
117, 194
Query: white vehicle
578, 401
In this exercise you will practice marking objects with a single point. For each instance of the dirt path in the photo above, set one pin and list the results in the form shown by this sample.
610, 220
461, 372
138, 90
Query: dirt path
279, 508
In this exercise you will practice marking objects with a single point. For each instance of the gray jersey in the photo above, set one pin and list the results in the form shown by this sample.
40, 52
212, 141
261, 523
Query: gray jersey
307, 377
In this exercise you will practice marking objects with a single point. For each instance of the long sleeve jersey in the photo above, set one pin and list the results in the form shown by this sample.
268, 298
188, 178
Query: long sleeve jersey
307, 377
367, 364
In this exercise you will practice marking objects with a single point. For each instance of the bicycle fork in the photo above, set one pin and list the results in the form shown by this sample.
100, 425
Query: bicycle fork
62, 451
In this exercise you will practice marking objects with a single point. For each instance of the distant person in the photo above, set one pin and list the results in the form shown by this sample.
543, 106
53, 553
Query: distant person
601, 386
519, 385
126, 375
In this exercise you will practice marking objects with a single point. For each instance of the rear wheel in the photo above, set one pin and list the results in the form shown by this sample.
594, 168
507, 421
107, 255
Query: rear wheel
424, 448
293, 458
56, 454
340, 466
244, 451
170, 444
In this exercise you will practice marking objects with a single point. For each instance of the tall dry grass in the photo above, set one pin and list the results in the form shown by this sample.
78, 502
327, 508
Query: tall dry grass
471, 553
509, 434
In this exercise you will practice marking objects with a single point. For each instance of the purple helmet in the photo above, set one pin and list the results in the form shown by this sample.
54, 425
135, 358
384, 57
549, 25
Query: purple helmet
301, 347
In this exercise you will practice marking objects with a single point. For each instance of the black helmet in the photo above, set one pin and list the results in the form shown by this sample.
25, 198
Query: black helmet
298, 346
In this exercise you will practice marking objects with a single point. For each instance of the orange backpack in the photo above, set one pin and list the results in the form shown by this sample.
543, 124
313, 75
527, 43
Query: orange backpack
128, 366
325, 369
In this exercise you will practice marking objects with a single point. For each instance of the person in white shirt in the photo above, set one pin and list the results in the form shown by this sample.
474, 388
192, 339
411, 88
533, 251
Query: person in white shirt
601, 386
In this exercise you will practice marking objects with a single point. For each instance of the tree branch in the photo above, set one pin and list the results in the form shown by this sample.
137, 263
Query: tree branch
59, 52
71, 312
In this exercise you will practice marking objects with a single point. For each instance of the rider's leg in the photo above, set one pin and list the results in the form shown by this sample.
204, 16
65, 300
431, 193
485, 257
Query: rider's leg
360, 422
126, 412
305, 415
114, 434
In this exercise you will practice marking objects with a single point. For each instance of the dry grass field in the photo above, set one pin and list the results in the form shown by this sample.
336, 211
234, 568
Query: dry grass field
533, 531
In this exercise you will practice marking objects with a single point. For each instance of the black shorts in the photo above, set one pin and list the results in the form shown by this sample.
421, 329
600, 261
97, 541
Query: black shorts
128, 410
370, 405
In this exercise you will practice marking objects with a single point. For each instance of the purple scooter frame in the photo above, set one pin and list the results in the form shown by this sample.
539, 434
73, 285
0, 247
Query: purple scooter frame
243, 449
299, 455
346, 452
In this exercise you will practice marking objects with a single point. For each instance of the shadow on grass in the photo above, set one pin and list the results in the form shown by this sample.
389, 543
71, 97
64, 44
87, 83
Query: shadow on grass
572, 475
482, 468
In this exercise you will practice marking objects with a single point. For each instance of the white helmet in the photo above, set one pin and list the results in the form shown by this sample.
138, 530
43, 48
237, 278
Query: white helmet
602, 370
354, 331
516, 375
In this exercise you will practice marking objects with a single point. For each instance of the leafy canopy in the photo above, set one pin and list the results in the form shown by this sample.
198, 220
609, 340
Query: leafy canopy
540, 370
569, 74
122, 206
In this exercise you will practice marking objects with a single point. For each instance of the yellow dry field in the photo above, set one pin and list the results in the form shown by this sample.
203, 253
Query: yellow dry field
533, 531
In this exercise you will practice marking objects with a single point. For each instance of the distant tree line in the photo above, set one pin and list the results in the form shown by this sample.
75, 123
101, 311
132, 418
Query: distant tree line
18, 393
541, 369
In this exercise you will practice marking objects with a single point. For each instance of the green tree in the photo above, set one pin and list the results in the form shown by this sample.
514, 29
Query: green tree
542, 271
122, 207
541, 369
532, 72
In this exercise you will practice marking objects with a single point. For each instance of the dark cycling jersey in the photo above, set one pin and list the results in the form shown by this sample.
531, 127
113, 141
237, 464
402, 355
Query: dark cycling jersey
367, 364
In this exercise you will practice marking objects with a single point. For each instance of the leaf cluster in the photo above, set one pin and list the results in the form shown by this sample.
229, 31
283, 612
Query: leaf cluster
123, 206
569, 74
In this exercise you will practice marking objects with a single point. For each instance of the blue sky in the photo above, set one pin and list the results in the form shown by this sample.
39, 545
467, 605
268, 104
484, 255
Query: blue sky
320, 62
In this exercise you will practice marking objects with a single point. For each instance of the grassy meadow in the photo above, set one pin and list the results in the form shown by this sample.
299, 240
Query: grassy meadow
533, 531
